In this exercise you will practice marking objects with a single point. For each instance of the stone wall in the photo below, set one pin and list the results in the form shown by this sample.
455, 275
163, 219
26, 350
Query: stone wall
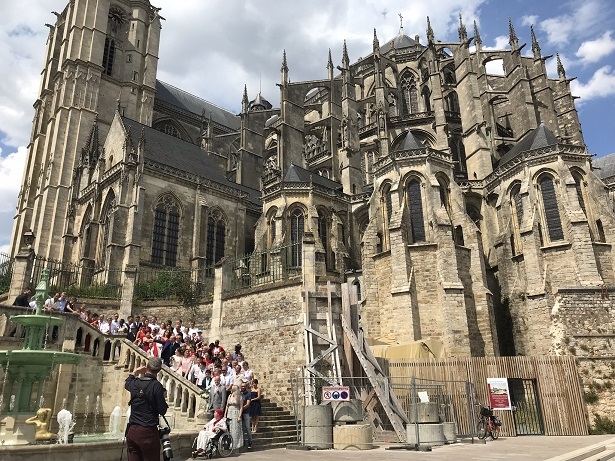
583, 325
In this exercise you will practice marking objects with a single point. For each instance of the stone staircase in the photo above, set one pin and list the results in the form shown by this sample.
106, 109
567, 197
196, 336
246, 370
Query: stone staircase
598, 452
276, 428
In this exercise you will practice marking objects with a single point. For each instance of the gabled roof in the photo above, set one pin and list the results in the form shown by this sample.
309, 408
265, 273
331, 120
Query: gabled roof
535, 139
604, 167
298, 174
186, 101
401, 41
184, 156
410, 143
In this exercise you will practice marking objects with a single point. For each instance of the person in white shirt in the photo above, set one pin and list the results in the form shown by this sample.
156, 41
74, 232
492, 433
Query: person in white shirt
103, 325
115, 324
53, 304
154, 323
179, 329
192, 329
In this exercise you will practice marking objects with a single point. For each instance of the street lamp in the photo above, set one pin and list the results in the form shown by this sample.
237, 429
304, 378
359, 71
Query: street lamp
28, 238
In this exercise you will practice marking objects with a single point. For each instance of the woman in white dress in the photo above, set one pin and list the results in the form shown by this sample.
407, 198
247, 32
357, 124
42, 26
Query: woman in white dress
217, 424
234, 409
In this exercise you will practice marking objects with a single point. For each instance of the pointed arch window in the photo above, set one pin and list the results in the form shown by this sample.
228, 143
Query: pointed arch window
452, 102
551, 208
297, 222
165, 241
386, 202
516, 206
415, 206
410, 102
323, 235
216, 237
105, 226
108, 55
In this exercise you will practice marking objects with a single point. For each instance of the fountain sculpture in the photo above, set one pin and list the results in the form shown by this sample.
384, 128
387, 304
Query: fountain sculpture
25, 371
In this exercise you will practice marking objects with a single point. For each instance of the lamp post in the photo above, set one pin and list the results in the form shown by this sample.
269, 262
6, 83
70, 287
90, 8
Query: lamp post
28, 238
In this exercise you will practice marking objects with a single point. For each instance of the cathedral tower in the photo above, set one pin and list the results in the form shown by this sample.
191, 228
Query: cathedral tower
101, 57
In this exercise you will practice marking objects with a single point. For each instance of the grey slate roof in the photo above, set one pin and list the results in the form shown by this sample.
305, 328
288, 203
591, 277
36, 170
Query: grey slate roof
535, 139
401, 41
184, 156
186, 101
410, 143
604, 166
298, 174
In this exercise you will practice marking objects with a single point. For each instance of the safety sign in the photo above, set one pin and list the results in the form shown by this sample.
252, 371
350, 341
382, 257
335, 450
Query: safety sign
336, 393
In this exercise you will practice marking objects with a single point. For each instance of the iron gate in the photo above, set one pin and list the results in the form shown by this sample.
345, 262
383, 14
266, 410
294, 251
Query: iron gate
526, 406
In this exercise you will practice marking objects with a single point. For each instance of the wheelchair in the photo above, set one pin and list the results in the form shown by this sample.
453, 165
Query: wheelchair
220, 444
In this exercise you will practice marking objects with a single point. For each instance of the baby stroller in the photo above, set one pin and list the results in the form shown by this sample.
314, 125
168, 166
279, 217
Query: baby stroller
221, 444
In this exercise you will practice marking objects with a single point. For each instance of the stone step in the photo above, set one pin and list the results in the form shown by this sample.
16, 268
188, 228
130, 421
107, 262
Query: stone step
265, 432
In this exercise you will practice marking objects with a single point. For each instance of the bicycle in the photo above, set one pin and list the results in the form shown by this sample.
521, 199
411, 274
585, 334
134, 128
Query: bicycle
488, 424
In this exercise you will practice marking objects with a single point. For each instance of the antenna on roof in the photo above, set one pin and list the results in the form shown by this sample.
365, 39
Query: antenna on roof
260, 82
401, 23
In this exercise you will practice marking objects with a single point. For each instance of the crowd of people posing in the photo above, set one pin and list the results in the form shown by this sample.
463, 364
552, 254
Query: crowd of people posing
225, 378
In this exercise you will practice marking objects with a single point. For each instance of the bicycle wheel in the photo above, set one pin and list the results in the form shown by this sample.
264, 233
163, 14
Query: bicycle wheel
494, 431
225, 445
481, 429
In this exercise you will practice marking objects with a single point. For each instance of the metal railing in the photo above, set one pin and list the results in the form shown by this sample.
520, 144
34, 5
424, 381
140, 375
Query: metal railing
80, 280
6, 272
265, 267
184, 285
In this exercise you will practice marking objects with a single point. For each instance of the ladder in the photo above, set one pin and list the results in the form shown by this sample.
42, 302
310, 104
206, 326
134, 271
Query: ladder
377, 378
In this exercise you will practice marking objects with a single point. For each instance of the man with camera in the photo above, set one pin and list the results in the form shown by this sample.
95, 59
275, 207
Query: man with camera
147, 401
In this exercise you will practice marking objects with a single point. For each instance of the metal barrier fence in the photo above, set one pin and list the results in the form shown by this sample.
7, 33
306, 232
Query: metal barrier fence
265, 267
6, 272
184, 285
426, 404
78, 280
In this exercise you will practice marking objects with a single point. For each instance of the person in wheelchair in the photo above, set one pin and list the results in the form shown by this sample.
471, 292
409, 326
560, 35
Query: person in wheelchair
210, 434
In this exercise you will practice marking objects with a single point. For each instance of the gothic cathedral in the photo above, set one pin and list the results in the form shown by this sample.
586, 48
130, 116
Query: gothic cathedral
458, 200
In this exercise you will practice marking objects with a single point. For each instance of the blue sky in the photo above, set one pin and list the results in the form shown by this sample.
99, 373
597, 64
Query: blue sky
212, 48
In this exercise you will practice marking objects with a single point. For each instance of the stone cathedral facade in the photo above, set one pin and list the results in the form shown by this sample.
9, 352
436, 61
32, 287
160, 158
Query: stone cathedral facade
461, 201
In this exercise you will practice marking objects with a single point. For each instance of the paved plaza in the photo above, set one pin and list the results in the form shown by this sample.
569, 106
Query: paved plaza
528, 448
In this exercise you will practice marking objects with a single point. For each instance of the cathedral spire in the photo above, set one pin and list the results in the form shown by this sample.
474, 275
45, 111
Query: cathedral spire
376, 43
477, 39
345, 58
463, 33
244, 100
284, 69
560, 68
330, 66
430, 35
513, 40
535, 45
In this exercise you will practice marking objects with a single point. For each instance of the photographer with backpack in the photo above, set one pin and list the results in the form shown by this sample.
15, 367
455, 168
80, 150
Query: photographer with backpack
147, 402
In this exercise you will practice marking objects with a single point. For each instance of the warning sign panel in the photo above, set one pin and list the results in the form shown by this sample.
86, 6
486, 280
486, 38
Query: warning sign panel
336, 393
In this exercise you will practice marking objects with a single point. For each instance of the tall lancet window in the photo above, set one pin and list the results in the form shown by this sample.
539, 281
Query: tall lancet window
552, 218
297, 222
165, 239
105, 227
410, 101
516, 206
108, 55
415, 206
216, 237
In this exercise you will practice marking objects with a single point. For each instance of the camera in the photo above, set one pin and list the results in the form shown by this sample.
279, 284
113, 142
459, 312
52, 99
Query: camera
165, 440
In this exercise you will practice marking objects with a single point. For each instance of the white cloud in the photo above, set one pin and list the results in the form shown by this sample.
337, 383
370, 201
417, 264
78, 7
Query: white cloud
11, 173
502, 42
601, 84
529, 20
579, 23
594, 50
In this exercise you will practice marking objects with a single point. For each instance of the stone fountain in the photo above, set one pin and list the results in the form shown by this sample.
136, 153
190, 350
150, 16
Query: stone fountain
25, 371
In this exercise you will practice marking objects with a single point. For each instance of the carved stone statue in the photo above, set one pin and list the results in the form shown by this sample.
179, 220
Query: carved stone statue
41, 423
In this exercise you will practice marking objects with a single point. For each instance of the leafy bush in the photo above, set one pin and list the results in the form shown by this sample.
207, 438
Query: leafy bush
602, 425
590, 397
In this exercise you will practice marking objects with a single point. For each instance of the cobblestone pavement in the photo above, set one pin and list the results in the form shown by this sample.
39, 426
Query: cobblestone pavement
528, 448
